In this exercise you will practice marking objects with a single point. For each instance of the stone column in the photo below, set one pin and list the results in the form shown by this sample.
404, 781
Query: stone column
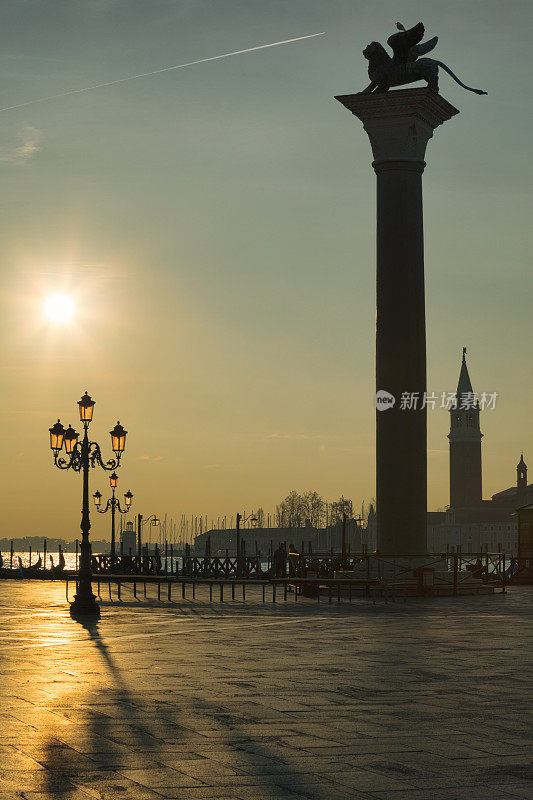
399, 125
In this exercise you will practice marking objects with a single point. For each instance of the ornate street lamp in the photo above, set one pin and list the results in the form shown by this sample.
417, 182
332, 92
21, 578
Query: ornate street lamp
70, 440
80, 457
86, 406
118, 438
114, 504
57, 434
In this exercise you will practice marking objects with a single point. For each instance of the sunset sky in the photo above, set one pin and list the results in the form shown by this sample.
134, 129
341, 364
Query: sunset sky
214, 228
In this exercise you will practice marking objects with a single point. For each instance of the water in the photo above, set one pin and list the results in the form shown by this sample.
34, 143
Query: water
70, 559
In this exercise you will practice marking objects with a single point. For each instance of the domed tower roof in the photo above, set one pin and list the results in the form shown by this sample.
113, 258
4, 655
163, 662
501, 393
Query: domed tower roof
521, 474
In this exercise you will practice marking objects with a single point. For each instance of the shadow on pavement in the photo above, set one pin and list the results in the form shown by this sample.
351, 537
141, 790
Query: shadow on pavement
115, 736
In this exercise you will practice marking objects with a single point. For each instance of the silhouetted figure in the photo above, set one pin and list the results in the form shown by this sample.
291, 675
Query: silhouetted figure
157, 556
477, 569
280, 561
293, 560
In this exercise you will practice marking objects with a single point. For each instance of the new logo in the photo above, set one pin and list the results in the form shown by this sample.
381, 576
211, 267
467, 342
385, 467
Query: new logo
384, 400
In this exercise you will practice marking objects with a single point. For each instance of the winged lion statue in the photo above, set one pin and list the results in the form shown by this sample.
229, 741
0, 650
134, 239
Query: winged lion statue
405, 66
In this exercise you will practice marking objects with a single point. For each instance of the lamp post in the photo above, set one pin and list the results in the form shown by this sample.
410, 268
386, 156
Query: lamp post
238, 532
153, 519
81, 457
114, 504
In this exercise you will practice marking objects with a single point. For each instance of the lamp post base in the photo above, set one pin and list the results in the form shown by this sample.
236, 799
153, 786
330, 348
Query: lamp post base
84, 605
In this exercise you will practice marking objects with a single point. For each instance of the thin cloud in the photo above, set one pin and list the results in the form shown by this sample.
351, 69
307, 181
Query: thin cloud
151, 458
29, 145
293, 436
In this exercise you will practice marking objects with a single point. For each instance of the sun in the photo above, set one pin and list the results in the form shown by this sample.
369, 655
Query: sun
59, 308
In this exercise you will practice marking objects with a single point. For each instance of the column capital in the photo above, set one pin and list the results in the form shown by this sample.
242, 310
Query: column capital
400, 123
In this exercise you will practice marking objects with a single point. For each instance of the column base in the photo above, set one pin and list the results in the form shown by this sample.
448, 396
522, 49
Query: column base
84, 605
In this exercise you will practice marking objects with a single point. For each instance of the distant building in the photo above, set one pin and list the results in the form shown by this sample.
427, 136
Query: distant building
525, 534
471, 523
321, 540
472, 531
370, 534
128, 539
330, 537
256, 539
519, 495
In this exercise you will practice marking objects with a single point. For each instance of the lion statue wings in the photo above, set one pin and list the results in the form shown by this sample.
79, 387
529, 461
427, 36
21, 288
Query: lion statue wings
405, 66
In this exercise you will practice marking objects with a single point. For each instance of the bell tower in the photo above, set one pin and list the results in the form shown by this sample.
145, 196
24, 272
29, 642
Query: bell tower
521, 474
465, 445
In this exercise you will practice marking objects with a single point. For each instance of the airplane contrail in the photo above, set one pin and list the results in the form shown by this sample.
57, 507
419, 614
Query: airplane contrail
158, 71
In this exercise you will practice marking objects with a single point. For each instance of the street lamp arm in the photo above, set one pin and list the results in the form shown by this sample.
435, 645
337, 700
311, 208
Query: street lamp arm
95, 457
109, 505
106, 509
117, 503
75, 461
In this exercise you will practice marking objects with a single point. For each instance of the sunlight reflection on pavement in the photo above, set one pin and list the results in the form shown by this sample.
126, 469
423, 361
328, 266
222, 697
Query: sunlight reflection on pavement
252, 701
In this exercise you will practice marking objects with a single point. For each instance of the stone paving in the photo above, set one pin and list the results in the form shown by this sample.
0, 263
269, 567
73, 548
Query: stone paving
407, 701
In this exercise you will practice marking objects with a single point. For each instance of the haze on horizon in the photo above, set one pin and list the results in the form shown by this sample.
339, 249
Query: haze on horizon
215, 230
